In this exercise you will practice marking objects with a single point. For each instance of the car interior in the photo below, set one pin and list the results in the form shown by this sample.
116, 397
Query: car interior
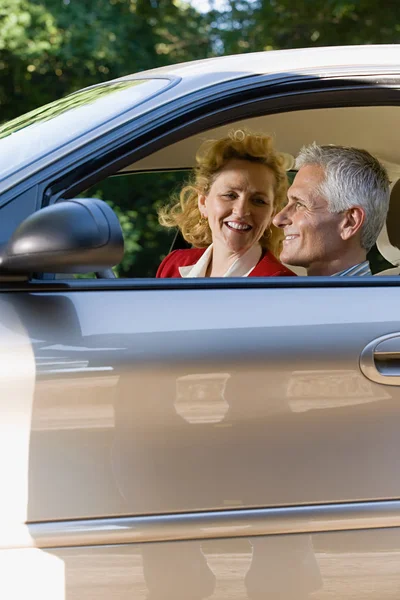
367, 127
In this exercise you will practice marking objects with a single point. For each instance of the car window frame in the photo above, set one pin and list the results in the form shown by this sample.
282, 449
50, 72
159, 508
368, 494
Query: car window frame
64, 286
272, 95
263, 112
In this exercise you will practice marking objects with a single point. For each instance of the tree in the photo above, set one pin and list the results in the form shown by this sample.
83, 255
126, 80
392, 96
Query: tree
253, 25
51, 48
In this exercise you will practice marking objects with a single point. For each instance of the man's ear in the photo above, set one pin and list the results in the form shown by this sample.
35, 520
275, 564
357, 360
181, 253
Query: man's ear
201, 202
352, 222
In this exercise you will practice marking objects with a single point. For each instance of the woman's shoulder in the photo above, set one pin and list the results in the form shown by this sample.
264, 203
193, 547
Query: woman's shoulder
178, 258
270, 266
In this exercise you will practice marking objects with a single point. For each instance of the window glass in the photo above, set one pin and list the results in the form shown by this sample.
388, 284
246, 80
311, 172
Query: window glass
136, 199
41, 131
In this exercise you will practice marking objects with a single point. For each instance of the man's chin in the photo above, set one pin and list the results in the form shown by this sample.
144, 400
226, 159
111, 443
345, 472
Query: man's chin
289, 259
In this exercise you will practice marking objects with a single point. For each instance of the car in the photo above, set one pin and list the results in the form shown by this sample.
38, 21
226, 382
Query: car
193, 438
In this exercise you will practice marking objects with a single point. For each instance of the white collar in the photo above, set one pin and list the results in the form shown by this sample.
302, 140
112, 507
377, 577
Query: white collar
242, 266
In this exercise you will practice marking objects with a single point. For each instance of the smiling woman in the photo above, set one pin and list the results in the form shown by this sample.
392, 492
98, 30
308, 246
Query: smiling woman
226, 211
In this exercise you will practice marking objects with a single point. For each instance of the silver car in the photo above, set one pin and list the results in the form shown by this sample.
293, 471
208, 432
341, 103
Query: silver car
168, 439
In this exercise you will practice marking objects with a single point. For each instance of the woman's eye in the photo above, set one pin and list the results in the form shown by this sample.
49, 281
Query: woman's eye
230, 195
260, 201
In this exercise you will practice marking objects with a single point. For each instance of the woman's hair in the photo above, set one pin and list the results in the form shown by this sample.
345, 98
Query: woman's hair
211, 157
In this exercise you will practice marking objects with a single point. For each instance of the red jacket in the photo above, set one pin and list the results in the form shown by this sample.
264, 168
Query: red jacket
268, 266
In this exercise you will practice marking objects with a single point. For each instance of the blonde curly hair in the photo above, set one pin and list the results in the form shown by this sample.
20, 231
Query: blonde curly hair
211, 157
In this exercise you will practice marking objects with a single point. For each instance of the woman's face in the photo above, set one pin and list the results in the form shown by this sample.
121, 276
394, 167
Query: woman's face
239, 204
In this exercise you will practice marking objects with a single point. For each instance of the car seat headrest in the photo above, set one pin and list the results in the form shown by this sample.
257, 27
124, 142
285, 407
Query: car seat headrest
389, 239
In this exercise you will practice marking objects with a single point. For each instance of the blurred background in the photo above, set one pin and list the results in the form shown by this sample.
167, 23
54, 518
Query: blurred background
50, 48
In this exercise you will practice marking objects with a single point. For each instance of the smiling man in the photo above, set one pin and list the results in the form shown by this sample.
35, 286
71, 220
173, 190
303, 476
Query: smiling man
336, 208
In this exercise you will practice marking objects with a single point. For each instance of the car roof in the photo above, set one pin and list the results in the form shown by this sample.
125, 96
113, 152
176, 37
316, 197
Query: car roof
340, 58
186, 78
368, 127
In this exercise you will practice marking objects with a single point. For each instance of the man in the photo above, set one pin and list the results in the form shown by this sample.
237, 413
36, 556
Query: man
336, 208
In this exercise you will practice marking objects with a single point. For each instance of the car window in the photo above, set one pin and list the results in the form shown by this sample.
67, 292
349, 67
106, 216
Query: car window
136, 200
142, 186
34, 135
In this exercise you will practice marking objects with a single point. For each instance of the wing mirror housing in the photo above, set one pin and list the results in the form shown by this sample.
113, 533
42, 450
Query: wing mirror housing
80, 235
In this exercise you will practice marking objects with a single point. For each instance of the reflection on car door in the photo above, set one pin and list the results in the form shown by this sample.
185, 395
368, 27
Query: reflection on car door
187, 443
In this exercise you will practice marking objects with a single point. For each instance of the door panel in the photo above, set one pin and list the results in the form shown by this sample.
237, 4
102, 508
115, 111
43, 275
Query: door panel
347, 565
169, 401
145, 402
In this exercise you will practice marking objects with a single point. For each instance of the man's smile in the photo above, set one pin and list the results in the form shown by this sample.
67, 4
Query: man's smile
290, 238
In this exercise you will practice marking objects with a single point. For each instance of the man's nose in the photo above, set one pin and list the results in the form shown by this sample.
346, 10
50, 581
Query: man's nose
282, 218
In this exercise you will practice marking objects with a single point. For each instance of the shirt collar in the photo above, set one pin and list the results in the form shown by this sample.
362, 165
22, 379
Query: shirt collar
199, 269
242, 266
359, 270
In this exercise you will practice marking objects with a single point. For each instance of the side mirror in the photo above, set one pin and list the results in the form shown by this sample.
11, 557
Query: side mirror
73, 236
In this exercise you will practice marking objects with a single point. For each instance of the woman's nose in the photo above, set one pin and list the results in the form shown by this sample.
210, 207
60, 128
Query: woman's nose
241, 207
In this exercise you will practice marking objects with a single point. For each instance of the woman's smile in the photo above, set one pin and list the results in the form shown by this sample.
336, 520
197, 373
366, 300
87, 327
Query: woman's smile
238, 227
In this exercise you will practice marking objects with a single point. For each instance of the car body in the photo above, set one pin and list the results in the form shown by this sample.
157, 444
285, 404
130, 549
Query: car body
227, 438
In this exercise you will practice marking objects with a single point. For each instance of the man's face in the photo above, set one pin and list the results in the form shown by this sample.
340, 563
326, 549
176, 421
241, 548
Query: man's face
312, 233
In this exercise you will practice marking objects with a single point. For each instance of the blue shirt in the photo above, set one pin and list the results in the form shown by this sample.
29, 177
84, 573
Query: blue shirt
359, 270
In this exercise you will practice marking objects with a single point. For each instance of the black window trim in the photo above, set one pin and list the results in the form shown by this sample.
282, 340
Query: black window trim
147, 284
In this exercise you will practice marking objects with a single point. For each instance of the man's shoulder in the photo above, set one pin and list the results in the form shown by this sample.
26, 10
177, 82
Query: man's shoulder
361, 269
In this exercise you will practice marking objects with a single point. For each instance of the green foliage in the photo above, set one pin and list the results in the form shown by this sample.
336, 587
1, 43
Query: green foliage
50, 48
136, 199
53, 47
253, 25
29, 37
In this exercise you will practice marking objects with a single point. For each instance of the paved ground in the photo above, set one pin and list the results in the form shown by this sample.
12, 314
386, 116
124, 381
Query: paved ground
346, 576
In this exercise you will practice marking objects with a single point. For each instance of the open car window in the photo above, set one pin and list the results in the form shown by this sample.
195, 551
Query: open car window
138, 190
136, 200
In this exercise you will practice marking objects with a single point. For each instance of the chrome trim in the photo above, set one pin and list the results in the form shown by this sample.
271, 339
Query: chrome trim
204, 525
368, 365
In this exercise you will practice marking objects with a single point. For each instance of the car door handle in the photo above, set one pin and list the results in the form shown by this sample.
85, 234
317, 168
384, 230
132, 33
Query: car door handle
380, 360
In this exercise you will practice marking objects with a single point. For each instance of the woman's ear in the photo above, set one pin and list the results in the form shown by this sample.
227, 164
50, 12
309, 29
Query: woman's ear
201, 202
353, 220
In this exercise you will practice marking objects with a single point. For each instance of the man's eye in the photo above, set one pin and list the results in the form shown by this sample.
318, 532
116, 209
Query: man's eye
299, 205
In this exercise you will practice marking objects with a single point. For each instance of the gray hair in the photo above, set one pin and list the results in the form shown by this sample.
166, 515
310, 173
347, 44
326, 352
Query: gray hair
353, 177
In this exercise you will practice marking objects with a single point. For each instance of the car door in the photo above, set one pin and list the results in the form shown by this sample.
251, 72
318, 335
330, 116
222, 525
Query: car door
186, 439
161, 452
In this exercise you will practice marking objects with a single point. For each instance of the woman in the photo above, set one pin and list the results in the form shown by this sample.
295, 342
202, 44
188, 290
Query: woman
226, 211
